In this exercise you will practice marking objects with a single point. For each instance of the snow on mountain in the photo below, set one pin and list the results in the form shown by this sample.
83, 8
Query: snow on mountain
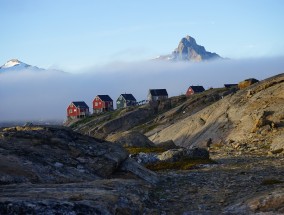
16, 65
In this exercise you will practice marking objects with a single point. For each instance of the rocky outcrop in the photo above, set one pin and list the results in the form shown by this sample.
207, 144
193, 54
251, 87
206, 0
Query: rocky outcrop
53, 170
265, 203
174, 155
235, 118
131, 139
55, 155
189, 50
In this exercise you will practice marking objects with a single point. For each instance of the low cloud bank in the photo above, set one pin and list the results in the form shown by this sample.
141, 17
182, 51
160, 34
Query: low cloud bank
28, 95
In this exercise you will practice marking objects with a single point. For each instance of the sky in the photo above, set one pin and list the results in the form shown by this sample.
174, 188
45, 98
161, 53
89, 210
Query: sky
76, 35
105, 47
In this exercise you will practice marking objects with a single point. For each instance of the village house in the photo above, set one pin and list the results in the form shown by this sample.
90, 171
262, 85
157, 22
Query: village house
102, 103
194, 89
228, 86
125, 100
77, 110
157, 94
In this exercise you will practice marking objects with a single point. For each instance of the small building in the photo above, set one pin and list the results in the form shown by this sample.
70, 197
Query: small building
125, 100
157, 94
102, 103
77, 110
194, 89
229, 86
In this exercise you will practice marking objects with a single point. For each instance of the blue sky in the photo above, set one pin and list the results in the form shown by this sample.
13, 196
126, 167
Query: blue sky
74, 35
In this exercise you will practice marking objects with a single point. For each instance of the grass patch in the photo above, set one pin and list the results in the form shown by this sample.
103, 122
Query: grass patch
82, 121
185, 164
136, 150
271, 181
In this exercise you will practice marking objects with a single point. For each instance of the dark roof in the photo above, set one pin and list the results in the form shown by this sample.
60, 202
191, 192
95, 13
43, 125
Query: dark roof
158, 92
230, 85
128, 97
105, 98
253, 80
80, 104
197, 89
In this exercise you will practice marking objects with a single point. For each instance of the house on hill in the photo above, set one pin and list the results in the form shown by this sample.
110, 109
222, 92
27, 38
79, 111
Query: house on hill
228, 86
77, 110
194, 89
102, 103
125, 100
157, 94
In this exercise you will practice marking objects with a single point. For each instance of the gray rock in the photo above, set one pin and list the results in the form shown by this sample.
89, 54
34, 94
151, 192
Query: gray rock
178, 154
277, 143
132, 166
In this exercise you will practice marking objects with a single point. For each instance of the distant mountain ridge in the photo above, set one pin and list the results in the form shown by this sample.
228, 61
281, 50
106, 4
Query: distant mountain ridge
189, 50
16, 65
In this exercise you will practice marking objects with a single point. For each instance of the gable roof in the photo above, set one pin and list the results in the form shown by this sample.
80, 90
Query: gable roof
230, 85
105, 98
197, 89
158, 92
80, 104
128, 97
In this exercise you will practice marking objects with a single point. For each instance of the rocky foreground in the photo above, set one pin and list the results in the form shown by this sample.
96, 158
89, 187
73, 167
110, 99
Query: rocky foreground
47, 170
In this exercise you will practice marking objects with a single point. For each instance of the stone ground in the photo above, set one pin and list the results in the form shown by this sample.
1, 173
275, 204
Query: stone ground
212, 189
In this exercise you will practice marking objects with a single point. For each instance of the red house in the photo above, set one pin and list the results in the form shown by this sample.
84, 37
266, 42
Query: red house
102, 103
77, 110
194, 89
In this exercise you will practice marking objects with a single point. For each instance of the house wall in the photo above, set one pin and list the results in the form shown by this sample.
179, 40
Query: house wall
101, 106
120, 102
189, 92
98, 103
72, 111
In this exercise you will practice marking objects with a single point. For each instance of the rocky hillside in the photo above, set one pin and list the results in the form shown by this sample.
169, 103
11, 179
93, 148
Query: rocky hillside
189, 50
253, 113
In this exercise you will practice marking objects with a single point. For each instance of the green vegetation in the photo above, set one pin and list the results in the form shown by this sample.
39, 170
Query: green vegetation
271, 181
82, 121
185, 164
136, 150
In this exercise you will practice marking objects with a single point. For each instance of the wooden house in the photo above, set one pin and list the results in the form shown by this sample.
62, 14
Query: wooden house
157, 94
125, 100
77, 110
194, 89
229, 86
102, 103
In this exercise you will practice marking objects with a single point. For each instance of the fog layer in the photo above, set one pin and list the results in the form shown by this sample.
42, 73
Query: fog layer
28, 95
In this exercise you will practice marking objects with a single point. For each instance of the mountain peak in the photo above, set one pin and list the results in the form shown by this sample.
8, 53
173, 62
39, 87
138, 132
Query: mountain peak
11, 63
189, 50
188, 39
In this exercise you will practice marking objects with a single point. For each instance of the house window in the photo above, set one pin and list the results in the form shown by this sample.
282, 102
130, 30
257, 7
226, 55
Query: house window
70, 111
96, 103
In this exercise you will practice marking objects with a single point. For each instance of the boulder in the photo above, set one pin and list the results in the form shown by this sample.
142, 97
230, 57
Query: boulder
277, 143
131, 139
167, 145
179, 154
